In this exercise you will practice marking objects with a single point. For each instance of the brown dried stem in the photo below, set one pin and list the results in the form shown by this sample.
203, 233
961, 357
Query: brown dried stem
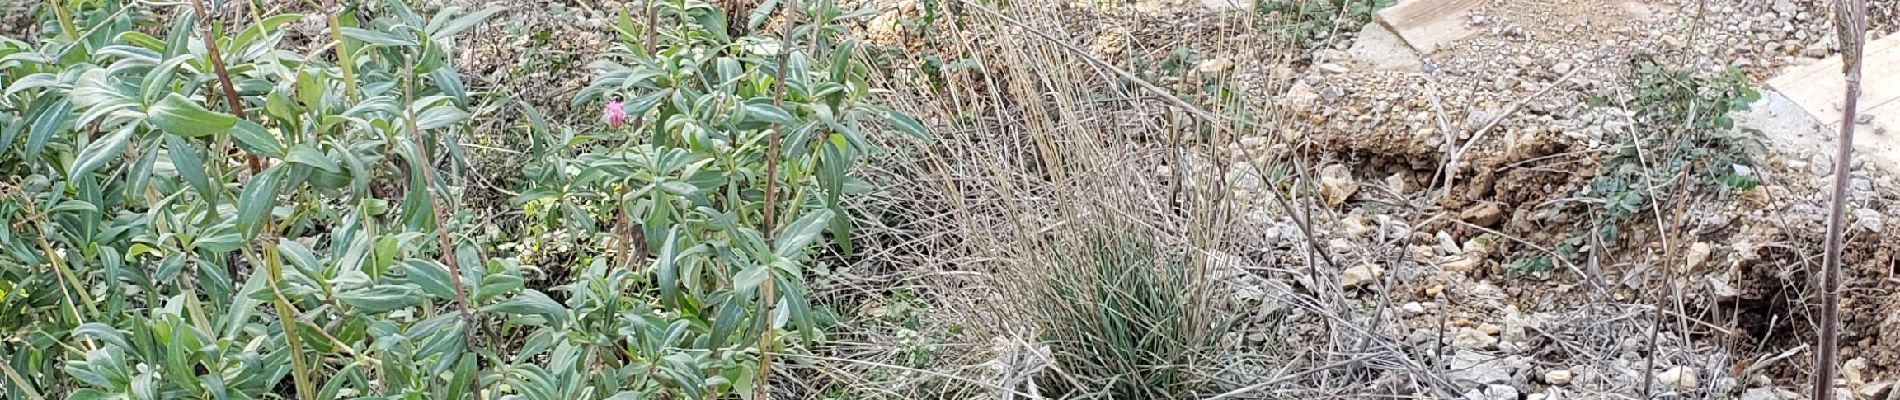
231, 98
1850, 22
771, 203
441, 226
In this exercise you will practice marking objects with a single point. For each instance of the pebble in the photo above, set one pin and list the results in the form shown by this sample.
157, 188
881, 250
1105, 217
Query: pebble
1558, 377
1360, 275
1678, 378
1473, 339
1336, 184
1485, 214
1485, 369
1869, 220
1492, 392
1768, 394
1698, 254
1214, 66
1879, 390
1460, 264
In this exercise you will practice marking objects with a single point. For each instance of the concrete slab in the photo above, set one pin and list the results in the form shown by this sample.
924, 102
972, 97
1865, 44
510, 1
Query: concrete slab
1816, 90
1380, 49
1428, 24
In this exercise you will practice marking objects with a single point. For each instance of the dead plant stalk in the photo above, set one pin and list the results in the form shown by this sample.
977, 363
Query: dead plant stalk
471, 329
1850, 22
769, 225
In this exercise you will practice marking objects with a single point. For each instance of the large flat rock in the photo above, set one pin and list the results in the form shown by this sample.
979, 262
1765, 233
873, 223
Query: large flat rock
1817, 89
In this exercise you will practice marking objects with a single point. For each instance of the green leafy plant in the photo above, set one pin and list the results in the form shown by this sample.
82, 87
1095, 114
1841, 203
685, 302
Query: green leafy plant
1683, 139
135, 197
687, 196
296, 237
1685, 132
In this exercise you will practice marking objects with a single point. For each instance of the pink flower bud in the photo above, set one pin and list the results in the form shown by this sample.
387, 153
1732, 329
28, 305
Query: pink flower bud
616, 114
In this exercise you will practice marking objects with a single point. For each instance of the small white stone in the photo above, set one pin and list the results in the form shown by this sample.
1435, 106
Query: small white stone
1869, 220
1761, 394
1558, 377
1214, 66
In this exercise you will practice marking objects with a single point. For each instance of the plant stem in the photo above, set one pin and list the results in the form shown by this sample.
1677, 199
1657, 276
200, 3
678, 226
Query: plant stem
20, 382
771, 205
71, 282
66, 26
441, 225
300, 368
231, 98
1850, 25
343, 57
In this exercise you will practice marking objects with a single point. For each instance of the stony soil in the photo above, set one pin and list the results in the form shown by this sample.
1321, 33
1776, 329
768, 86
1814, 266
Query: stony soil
1732, 267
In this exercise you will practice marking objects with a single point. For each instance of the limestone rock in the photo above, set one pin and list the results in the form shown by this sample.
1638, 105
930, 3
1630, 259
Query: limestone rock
1492, 392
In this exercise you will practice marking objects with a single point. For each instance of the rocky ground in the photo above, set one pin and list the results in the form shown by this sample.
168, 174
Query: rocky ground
1731, 269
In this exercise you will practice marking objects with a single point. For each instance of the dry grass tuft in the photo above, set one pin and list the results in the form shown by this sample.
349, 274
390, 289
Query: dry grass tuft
1065, 221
